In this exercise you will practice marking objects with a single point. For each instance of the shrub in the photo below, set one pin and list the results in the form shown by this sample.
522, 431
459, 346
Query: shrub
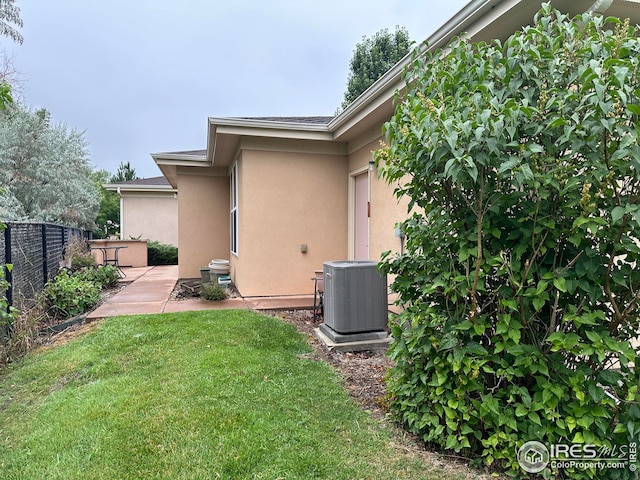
161, 254
519, 280
24, 335
70, 295
213, 291
78, 255
7, 313
105, 276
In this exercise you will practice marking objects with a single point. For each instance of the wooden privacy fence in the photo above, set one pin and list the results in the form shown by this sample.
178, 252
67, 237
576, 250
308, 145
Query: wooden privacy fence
36, 251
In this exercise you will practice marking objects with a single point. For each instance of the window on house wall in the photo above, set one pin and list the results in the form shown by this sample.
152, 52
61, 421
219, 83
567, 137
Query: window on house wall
234, 208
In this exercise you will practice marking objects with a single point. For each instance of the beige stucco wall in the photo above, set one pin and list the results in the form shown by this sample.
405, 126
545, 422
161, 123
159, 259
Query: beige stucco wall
203, 218
286, 200
133, 253
150, 216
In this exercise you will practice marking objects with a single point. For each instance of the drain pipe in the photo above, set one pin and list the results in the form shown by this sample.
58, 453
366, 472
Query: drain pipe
599, 6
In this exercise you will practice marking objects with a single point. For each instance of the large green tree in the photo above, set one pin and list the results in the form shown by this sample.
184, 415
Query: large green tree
45, 173
520, 279
372, 58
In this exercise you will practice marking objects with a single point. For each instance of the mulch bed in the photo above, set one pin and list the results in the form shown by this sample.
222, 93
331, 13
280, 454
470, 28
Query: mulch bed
362, 372
363, 375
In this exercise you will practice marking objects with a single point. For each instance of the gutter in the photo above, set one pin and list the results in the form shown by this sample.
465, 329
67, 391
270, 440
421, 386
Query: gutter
599, 6
266, 124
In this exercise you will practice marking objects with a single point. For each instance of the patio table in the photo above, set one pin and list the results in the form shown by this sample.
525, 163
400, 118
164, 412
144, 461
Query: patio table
106, 260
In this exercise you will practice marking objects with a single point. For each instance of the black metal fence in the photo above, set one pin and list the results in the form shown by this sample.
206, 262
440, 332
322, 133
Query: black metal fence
36, 251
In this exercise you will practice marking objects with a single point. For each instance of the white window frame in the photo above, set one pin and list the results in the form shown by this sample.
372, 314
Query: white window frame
234, 209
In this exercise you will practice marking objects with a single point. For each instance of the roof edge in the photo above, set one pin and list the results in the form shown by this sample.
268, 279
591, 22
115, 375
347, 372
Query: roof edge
115, 187
267, 124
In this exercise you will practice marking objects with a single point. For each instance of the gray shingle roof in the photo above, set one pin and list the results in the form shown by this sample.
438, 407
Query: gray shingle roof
147, 181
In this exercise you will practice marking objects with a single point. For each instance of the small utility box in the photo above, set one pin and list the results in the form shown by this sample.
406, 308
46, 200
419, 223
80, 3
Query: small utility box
355, 297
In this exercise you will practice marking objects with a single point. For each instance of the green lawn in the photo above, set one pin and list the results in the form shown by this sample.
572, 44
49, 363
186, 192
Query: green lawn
221, 394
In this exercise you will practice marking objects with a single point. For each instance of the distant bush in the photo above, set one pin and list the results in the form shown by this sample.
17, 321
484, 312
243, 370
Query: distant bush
80, 260
213, 291
161, 254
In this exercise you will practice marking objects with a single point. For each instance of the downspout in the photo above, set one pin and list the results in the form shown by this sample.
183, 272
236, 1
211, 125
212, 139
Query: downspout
121, 213
599, 6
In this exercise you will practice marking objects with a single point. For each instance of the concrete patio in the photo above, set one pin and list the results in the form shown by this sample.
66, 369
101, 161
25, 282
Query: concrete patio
149, 291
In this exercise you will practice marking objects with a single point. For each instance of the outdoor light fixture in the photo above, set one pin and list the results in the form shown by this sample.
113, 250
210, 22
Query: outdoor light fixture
372, 165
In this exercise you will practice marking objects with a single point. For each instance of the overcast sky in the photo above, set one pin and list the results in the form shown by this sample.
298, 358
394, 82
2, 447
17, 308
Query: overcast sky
142, 76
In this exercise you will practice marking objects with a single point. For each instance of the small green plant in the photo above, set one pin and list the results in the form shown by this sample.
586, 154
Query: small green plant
82, 261
8, 316
213, 291
25, 328
78, 255
105, 276
70, 295
161, 253
7, 312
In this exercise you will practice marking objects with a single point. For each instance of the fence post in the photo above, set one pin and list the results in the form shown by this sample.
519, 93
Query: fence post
45, 256
64, 240
7, 259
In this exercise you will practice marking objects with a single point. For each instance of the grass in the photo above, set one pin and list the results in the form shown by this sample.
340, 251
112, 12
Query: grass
221, 394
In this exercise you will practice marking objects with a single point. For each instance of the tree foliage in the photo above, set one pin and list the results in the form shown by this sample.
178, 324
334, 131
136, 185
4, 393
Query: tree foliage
44, 170
108, 219
372, 58
10, 20
124, 173
520, 281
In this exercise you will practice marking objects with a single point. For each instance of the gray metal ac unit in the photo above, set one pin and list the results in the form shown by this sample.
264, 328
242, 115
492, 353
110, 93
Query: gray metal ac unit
355, 296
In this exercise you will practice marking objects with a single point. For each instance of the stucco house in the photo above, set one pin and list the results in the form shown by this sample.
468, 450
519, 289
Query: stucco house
279, 196
148, 209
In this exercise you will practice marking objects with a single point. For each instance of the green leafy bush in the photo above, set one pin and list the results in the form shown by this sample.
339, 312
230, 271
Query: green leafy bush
519, 280
78, 255
213, 291
161, 253
70, 295
7, 313
104, 276
82, 260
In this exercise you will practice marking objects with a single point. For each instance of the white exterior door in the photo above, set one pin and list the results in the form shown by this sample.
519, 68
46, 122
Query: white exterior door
361, 217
